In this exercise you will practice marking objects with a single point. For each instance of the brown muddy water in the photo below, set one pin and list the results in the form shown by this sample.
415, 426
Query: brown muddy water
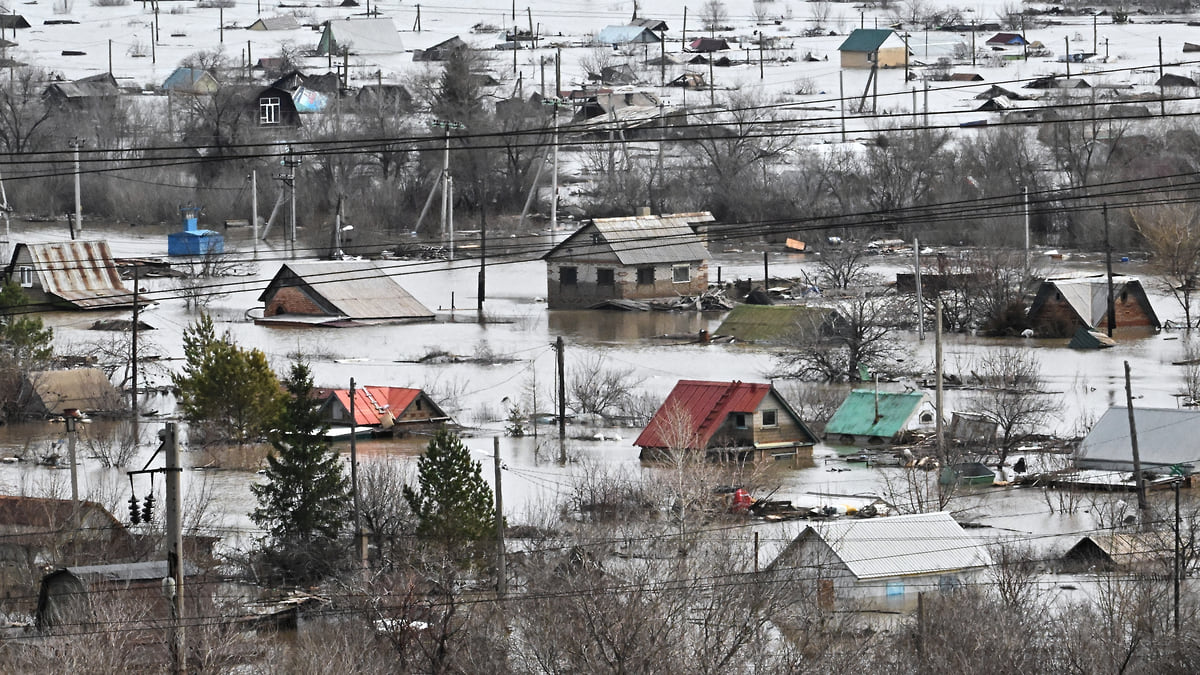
518, 328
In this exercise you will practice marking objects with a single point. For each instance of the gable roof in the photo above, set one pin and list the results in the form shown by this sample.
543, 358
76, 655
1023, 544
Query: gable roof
1088, 297
40, 515
773, 323
87, 389
616, 35
354, 289
13, 21
1173, 80
281, 22
370, 403
191, 81
708, 44
1006, 39
865, 39
653, 24
881, 548
638, 240
362, 36
856, 416
1166, 437
80, 272
706, 406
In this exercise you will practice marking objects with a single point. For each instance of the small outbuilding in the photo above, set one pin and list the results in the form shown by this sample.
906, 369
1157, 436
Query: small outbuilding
65, 597
52, 392
739, 421
89, 92
193, 81
774, 324
872, 417
373, 36
871, 47
643, 257
881, 563
336, 294
1006, 40
69, 275
1063, 306
707, 45
193, 240
1166, 440
281, 22
395, 410
1173, 80
441, 51
1107, 552
625, 35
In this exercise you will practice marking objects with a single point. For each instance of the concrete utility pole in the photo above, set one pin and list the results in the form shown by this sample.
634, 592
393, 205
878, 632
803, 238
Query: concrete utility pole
447, 186
358, 533
562, 401
501, 571
173, 584
71, 420
75, 144
291, 161
1139, 480
254, 208
554, 103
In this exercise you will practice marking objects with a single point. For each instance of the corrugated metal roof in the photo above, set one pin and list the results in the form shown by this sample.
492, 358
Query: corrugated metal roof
363, 36
135, 571
865, 39
371, 402
357, 289
1166, 437
775, 322
80, 272
1088, 296
856, 415
704, 406
86, 389
640, 240
896, 546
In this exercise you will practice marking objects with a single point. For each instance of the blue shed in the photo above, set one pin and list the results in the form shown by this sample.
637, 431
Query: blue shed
192, 240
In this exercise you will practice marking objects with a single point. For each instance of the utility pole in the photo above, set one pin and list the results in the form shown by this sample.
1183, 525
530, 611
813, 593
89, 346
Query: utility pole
1139, 480
71, 420
937, 376
447, 185
291, 161
554, 103
75, 144
501, 571
562, 401
173, 584
1112, 306
254, 208
1177, 569
1025, 199
920, 297
360, 549
133, 355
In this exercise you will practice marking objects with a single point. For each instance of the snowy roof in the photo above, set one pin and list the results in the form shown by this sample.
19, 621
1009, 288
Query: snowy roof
362, 36
616, 35
895, 546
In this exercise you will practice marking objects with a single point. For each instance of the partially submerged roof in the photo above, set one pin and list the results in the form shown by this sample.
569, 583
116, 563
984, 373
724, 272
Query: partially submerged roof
866, 39
638, 240
86, 389
371, 403
704, 406
351, 289
618, 35
1122, 549
1166, 438
79, 272
774, 323
866, 412
896, 546
1088, 296
148, 570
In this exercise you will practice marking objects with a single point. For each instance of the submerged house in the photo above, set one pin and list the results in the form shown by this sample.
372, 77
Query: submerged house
65, 595
624, 35
360, 36
52, 392
1166, 441
773, 324
398, 410
1108, 551
879, 417
640, 257
879, 562
742, 421
337, 294
69, 275
871, 47
1063, 306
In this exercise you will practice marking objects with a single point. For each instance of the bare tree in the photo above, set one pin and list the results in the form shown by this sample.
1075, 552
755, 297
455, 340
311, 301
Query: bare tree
844, 266
714, 15
863, 336
1011, 395
1172, 233
595, 387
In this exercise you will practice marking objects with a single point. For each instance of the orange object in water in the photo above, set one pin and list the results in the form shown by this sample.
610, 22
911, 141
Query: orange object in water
742, 500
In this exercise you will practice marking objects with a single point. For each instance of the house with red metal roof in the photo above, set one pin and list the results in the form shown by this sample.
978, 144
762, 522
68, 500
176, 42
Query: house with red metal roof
395, 410
743, 421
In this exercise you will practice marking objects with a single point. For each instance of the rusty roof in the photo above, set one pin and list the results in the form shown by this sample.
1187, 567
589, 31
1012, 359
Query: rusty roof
80, 272
695, 410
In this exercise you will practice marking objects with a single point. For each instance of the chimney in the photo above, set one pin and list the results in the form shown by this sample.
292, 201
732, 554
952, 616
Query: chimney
643, 212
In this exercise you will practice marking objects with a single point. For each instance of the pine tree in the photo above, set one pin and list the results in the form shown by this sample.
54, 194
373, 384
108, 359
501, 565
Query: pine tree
232, 390
454, 505
304, 499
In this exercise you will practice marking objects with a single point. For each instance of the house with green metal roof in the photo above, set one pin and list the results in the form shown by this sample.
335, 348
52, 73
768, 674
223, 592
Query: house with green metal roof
870, 47
875, 417
775, 324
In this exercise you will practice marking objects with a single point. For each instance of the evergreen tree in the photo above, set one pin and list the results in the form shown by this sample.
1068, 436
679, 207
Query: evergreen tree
454, 505
24, 339
231, 390
304, 502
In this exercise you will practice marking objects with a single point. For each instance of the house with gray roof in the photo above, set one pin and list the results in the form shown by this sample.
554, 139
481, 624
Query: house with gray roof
1166, 440
624, 35
338, 293
69, 275
880, 562
641, 257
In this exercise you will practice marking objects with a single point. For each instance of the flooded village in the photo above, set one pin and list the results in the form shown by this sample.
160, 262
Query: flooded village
773, 337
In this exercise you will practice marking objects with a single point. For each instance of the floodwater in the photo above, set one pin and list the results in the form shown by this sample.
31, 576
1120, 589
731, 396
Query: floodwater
518, 328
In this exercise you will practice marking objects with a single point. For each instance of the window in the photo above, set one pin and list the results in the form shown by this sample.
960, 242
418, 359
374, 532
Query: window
645, 276
268, 110
681, 274
605, 277
739, 421
26, 274
568, 276
927, 417
770, 418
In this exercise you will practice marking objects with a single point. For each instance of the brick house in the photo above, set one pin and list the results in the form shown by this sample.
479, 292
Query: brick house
743, 421
337, 293
1062, 306
640, 257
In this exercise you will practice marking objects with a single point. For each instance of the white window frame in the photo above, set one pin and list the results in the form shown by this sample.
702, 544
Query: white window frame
675, 274
774, 418
25, 272
269, 110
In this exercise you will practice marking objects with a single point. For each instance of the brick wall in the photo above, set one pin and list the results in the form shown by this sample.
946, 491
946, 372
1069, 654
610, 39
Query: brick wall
292, 300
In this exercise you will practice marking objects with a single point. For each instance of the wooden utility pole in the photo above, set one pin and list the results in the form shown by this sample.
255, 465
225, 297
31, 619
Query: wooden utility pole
360, 549
501, 572
133, 356
254, 208
1112, 304
1139, 480
562, 400
174, 587
937, 375
71, 420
